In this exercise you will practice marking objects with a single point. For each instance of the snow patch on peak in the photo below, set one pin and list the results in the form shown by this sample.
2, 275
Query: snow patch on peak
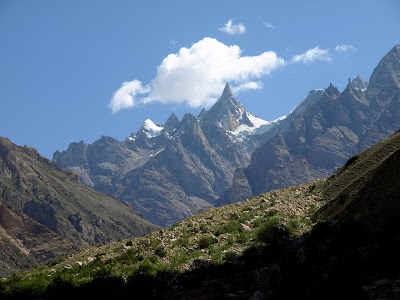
259, 127
150, 129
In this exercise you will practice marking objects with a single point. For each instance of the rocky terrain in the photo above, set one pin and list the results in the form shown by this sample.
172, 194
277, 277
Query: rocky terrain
329, 131
46, 213
334, 238
170, 172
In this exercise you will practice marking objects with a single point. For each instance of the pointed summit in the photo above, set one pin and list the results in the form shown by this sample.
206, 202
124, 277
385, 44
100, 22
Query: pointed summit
359, 84
201, 114
332, 91
227, 93
171, 123
227, 112
150, 129
384, 82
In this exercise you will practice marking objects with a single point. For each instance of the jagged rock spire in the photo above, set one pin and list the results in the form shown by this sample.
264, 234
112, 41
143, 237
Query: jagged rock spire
227, 93
171, 123
332, 90
227, 112
359, 84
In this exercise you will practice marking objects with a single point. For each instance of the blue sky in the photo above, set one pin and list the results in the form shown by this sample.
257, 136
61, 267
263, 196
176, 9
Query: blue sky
62, 61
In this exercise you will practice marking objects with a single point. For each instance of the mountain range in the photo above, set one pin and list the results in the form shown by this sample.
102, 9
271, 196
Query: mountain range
170, 172
329, 131
227, 154
335, 238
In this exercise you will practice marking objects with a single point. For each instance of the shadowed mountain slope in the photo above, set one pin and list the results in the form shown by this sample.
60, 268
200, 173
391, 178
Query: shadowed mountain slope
45, 212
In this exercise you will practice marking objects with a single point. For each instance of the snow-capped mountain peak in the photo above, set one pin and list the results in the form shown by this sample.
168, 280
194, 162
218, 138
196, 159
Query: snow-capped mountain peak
151, 129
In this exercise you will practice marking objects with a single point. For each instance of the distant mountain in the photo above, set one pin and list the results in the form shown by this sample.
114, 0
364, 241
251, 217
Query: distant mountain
330, 129
46, 213
171, 171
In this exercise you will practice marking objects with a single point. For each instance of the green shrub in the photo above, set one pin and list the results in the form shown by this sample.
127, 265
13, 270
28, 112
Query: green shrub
203, 228
129, 257
229, 255
153, 259
351, 160
230, 227
312, 209
129, 244
244, 236
160, 251
154, 243
182, 242
267, 230
312, 187
206, 241
292, 226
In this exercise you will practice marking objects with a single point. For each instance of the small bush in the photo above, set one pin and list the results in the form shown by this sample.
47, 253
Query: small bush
130, 257
351, 161
160, 251
229, 255
244, 237
153, 259
206, 241
292, 226
129, 244
312, 187
182, 242
312, 209
230, 227
267, 230
203, 228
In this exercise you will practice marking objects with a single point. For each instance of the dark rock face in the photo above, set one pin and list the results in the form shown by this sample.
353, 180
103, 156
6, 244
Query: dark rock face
326, 134
45, 212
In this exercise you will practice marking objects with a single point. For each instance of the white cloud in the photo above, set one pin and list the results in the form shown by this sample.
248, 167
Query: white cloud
269, 25
229, 28
345, 48
196, 76
124, 97
251, 85
312, 54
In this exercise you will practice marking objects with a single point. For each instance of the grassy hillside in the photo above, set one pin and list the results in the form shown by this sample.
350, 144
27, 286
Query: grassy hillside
214, 236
